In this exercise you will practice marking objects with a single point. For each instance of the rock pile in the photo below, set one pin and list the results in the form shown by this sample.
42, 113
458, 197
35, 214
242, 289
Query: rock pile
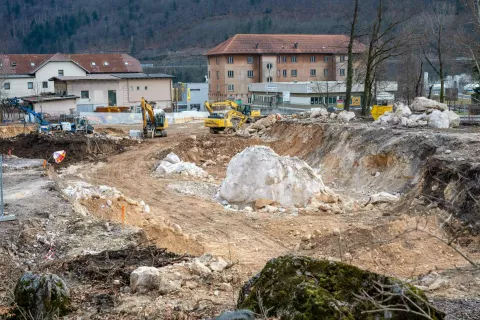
432, 117
260, 126
177, 276
172, 164
258, 172
422, 104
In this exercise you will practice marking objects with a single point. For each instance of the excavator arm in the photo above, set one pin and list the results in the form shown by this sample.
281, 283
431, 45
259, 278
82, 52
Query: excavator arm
238, 115
154, 123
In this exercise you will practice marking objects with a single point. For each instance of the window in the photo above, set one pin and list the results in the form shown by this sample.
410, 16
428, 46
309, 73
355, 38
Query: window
105, 63
294, 59
332, 100
269, 66
231, 87
342, 58
315, 100
284, 73
250, 73
342, 72
325, 72
218, 88
230, 60
230, 74
138, 88
6, 86
294, 73
85, 94
217, 61
30, 85
269, 79
209, 75
313, 72
326, 58
45, 84
146, 88
284, 59
218, 74
250, 60
313, 59
60, 73
278, 59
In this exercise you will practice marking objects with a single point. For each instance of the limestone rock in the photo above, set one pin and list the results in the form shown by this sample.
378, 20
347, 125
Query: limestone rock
41, 295
318, 112
453, 118
144, 279
262, 203
258, 172
168, 281
346, 116
172, 158
422, 104
438, 119
199, 268
383, 197
219, 265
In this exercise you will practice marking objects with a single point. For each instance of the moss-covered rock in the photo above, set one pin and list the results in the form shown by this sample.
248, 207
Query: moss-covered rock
303, 288
42, 296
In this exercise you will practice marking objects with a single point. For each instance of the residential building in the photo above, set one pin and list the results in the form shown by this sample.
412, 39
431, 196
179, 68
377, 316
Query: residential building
122, 89
304, 95
256, 58
26, 75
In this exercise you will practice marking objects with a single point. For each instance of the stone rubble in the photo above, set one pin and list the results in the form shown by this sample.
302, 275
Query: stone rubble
172, 164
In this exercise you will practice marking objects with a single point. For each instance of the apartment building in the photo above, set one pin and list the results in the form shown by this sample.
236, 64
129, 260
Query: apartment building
256, 58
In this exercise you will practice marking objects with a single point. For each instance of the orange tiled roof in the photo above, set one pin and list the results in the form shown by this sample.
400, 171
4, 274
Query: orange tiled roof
285, 43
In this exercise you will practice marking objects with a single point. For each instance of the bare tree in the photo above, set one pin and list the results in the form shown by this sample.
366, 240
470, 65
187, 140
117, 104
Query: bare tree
353, 24
383, 43
323, 89
438, 31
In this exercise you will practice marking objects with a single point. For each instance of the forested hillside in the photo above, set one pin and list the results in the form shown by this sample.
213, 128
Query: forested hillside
153, 28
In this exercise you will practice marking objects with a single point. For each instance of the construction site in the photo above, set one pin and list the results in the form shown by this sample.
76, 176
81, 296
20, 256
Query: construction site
175, 227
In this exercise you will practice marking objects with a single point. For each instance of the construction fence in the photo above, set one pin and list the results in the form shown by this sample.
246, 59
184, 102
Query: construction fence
136, 118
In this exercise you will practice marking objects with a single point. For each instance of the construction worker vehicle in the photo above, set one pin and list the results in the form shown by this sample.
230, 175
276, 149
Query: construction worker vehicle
154, 124
224, 120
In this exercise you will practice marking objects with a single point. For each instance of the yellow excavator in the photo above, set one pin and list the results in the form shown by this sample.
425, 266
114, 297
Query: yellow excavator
154, 124
227, 121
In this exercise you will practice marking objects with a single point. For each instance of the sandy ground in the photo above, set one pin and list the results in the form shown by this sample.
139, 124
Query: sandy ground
184, 218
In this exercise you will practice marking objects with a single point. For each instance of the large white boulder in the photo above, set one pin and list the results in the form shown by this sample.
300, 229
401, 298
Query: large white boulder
453, 118
258, 172
438, 119
144, 279
422, 104
418, 117
170, 165
318, 112
346, 116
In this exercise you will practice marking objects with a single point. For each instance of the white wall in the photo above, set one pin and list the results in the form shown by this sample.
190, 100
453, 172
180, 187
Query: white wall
300, 100
98, 91
18, 88
55, 107
50, 70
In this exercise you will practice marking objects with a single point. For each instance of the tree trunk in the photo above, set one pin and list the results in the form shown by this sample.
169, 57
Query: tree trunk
418, 85
348, 96
440, 67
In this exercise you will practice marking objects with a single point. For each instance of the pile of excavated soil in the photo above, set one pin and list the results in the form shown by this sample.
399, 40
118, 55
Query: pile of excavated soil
14, 130
78, 147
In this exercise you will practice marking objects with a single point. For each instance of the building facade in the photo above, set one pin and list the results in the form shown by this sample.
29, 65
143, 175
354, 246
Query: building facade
26, 75
304, 95
192, 96
125, 90
249, 58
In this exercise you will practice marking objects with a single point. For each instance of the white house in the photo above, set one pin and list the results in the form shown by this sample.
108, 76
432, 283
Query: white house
26, 75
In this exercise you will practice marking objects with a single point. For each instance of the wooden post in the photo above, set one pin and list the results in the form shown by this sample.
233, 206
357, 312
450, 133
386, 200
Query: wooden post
123, 217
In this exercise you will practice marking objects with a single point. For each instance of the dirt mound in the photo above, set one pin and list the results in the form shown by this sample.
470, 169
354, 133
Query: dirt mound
78, 147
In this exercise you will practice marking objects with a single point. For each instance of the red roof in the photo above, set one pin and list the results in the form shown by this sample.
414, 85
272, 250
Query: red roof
285, 43
92, 63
